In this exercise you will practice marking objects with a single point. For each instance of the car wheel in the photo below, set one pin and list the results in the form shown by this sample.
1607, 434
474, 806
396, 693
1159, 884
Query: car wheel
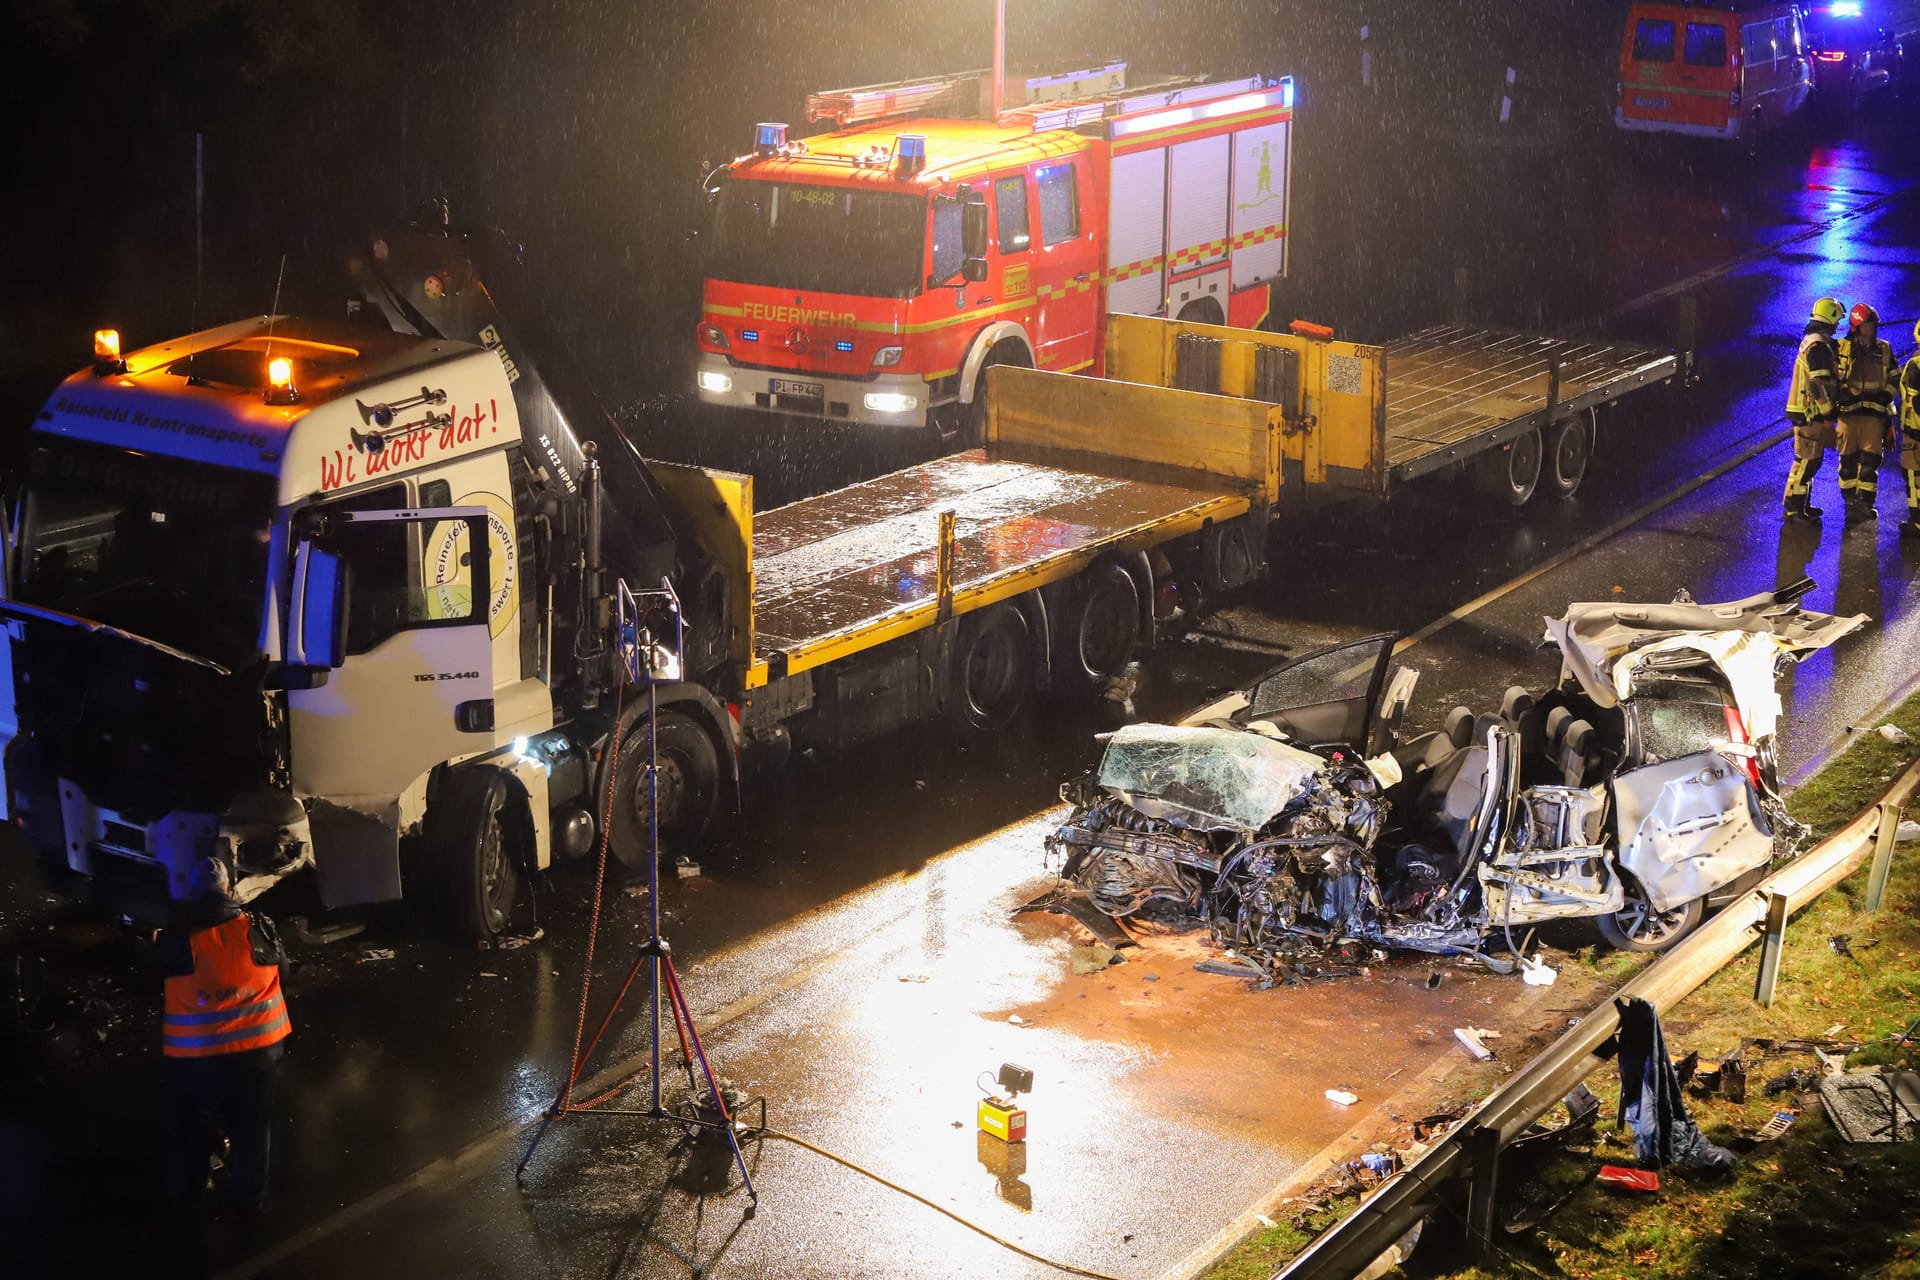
1569, 451
992, 667
1636, 926
473, 850
689, 787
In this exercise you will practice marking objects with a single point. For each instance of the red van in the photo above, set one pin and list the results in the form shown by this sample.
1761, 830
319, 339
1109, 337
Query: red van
1730, 72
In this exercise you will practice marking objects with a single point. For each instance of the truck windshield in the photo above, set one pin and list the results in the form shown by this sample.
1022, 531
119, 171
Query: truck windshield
170, 551
820, 239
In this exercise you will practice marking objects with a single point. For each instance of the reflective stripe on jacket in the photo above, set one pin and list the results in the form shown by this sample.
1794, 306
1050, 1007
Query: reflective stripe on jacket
1910, 394
1813, 392
228, 1004
1866, 376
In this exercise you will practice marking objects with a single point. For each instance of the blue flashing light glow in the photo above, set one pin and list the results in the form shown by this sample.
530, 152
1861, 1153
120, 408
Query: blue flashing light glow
768, 135
910, 146
843, 345
749, 335
1844, 9
1286, 92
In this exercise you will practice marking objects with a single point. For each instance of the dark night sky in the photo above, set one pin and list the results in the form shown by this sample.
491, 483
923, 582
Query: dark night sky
582, 126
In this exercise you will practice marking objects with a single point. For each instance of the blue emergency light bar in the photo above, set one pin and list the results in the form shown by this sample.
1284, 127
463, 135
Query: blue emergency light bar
768, 137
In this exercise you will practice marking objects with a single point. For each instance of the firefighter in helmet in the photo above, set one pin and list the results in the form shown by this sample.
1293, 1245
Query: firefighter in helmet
1910, 437
1812, 403
1867, 372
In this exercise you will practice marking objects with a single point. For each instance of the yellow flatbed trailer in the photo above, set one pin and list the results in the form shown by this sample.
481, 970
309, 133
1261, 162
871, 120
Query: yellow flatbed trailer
1197, 437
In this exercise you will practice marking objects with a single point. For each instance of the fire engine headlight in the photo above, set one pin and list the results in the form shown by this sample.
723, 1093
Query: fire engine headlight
715, 336
715, 382
887, 357
891, 402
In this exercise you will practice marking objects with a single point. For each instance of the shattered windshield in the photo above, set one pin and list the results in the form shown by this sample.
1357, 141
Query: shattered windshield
789, 235
169, 551
1225, 777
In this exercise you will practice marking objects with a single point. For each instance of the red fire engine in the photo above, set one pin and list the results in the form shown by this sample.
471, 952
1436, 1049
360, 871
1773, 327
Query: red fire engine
870, 273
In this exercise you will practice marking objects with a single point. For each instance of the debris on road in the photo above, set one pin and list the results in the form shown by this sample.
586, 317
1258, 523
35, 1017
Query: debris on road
1895, 734
1775, 1127
1093, 959
306, 936
1475, 1038
515, 941
376, 953
686, 868
1344, 1097
1907, 831
1536, 972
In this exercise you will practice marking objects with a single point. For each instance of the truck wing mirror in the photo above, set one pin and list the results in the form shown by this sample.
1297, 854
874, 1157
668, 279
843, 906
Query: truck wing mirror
317, 620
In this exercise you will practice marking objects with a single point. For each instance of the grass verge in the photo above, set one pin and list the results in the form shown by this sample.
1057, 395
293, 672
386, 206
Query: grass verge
1808, 1205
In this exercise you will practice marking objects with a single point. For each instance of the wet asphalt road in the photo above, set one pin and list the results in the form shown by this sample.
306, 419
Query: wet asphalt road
847, 949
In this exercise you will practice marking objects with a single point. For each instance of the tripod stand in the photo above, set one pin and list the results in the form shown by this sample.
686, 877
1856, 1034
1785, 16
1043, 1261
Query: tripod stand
634, 645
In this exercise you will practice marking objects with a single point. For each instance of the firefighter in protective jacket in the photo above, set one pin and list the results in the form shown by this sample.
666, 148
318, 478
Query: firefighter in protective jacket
1910, 437
223, 1035
1867, 372
1812, 403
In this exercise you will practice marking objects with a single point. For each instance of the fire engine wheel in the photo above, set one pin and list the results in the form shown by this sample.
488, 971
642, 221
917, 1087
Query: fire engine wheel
689, 787
473, 847
992, 667
971, 430
1638, 927
1569, 452
1105, 626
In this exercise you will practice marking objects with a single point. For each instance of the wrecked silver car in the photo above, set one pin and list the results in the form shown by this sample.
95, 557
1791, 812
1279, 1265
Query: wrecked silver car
1289, 816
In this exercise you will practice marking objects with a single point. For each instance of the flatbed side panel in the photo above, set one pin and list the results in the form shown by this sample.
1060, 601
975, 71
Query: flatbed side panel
851, 582
719, 506
1456, 390
1125, 429
1334, 417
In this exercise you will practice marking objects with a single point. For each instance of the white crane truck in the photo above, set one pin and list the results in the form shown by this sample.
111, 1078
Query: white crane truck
295, 594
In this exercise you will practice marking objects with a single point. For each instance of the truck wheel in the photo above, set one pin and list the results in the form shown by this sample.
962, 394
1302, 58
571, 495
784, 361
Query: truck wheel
472, 850
992, 667
1105, 626
689, 787
1228, 557
1569, 451
1514, 472
1638, 927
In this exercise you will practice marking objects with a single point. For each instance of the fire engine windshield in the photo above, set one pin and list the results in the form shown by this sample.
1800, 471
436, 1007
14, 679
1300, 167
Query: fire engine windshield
170, 551
822, 239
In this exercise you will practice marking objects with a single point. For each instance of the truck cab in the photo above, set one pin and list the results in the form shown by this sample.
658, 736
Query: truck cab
264, 581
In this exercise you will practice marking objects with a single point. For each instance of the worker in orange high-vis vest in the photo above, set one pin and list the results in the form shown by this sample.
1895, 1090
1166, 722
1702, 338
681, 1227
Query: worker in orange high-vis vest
223, 1035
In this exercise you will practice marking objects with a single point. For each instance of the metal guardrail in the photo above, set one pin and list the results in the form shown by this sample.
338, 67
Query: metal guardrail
1473, 1146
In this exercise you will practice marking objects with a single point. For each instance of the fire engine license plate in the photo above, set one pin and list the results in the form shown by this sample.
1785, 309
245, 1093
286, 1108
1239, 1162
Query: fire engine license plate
805, 390
1658, 104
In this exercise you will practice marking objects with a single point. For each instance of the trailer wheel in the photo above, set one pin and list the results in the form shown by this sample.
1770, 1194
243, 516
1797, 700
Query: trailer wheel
689, 787
1569, 451
1228, 556
1105, 626
1638, 927
992, 667
1515, 470
472, 850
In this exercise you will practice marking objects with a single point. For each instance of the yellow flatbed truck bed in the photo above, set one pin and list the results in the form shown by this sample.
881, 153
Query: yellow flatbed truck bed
860, 565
